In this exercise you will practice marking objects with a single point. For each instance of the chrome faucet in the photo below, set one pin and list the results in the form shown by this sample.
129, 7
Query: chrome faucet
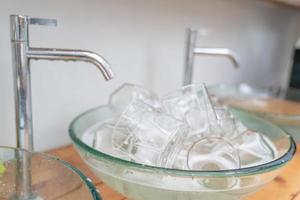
22, 53
192, 50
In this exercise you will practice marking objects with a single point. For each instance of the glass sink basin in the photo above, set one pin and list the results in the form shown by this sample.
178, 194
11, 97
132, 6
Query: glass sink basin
263, 103
142, 182
51, 177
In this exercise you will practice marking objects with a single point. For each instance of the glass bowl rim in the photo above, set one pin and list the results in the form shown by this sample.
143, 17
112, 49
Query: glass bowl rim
87, 181
266, 167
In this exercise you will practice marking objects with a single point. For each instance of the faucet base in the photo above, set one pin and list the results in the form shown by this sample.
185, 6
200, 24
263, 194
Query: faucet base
31, 197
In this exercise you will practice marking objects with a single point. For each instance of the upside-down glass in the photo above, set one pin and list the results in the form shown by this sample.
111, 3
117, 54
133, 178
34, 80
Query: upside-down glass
193, 105
51, 177
143, 182
129, 93
148, 136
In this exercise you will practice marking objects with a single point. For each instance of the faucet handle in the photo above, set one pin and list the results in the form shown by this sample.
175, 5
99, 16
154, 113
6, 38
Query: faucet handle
43, 22
20, 24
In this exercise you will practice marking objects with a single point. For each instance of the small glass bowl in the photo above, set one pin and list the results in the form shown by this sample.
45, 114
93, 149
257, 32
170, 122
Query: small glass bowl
137, 181
51, 178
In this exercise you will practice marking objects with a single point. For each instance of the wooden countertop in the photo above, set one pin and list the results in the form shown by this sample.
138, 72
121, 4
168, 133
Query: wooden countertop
286, 186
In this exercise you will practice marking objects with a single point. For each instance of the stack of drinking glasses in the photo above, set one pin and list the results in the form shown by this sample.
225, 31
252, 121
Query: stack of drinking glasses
186, 129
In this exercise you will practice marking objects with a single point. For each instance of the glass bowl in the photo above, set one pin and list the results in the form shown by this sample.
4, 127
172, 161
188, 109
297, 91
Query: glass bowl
143, 182
263, 103
51, 178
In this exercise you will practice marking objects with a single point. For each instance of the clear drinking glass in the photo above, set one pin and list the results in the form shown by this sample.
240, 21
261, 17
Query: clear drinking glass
192, 105
148, 136
254, 148
129, 93
204, 115
212, 153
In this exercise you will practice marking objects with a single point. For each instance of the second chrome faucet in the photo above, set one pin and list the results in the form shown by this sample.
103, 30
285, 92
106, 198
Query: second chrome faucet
192, 50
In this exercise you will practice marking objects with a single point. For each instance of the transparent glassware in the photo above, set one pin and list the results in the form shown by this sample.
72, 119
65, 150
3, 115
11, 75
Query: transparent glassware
187, 105
193, 105
262, 102
129, 93
138, 181
148, 136
212, 153
51, 177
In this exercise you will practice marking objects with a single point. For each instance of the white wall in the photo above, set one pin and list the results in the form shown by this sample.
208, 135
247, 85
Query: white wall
144, 42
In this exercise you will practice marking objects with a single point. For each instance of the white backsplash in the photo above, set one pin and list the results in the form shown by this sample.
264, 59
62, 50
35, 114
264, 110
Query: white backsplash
144, 42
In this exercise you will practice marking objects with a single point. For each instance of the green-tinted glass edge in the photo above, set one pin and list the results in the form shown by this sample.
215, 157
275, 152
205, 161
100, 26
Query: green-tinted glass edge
85, 179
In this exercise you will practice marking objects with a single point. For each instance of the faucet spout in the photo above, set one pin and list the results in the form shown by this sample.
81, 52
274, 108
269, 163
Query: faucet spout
231, 55
72, 55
